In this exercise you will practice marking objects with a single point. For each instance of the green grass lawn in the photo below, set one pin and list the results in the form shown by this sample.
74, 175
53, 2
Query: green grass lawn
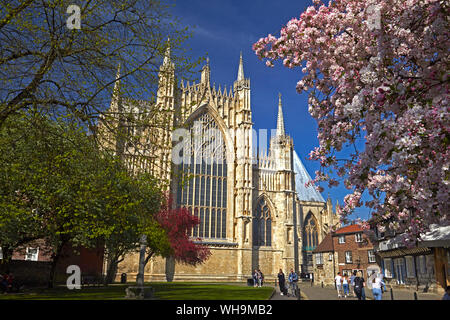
163, 291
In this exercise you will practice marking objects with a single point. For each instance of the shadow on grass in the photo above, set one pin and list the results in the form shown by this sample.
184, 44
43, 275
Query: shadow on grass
163, 291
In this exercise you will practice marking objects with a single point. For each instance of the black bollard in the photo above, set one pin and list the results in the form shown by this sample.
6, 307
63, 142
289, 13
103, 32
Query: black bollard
299, 296
392, 295
415, 295
322, 284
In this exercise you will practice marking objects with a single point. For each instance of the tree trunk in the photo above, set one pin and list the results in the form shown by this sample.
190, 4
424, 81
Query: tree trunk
111, 270
5, 262
56, 256
140, 275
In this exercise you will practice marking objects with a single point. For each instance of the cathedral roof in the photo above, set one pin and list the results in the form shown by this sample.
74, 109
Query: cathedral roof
301, 177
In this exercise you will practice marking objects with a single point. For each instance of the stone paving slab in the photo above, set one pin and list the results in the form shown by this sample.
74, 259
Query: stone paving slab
330, 293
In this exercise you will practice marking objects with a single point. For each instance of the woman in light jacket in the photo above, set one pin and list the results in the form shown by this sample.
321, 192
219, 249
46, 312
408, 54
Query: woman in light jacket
377, 284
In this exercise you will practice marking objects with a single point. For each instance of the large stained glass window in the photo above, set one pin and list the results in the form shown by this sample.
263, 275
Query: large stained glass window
262, 224
204, 171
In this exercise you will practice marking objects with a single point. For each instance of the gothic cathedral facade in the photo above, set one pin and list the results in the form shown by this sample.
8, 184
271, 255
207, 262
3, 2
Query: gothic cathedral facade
254, 209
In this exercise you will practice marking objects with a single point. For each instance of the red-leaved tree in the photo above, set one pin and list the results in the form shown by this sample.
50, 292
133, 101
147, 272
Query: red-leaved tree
178, 224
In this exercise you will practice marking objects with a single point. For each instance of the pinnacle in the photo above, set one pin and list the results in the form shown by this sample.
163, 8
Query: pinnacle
280, 120
241, 69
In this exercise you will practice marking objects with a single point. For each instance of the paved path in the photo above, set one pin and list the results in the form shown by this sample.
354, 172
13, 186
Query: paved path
329, 293
278, 296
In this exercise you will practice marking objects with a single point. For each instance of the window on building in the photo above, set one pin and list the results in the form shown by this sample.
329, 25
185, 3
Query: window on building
341, 239
387, 267
410, 270
358, 237
347, 272
32, 254
205, 195
319, 258
262, 225
309, 258
311, 233
348, 257
430, 264
371, 255
423, 265
330, 257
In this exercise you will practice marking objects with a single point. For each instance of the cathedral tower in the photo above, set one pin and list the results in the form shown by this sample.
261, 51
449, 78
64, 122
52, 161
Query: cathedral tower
253, 214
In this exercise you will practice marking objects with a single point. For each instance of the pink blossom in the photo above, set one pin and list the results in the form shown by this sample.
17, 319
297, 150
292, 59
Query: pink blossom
388, 83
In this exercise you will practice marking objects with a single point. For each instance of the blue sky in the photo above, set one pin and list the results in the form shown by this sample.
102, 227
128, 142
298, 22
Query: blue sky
224, 28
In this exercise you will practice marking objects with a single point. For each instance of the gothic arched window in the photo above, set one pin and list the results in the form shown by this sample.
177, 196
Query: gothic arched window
311, 233
204, 171
262, 225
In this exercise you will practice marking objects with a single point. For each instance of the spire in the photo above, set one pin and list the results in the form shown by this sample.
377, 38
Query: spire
167, 54
117, 82
205, 74
280, 120
116, 91
241, 69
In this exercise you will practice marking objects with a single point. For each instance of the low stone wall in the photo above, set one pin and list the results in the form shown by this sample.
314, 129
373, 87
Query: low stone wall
30, 273
425, 285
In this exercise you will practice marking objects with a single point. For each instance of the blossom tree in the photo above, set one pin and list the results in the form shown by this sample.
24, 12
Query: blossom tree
377, 72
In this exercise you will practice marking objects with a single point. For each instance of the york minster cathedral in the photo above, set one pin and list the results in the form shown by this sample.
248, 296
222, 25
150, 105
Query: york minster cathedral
254, 208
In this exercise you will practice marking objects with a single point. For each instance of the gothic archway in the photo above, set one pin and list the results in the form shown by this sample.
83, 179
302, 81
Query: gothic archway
262, 224
204, 169
310, 233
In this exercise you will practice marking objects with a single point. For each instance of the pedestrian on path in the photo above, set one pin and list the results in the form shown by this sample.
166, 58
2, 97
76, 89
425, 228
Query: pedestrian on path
359, 286
345, 285
282, 282
377, 287
446, 294
260, 278
338, 281
352, 284
255, 278
293, 278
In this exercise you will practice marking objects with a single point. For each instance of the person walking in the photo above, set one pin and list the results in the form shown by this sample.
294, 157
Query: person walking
293, 278
282, 282
352, 284
377, 285
446, 294
345, 285
359, 286
338, 281
260, 278
255, 278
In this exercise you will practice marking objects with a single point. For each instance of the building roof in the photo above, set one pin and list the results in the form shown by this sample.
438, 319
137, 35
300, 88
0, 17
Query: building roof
438, 236
301, 177
326, 245
353, 228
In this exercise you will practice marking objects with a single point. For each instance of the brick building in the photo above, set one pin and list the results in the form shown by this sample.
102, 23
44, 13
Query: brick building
31, 263
346, 250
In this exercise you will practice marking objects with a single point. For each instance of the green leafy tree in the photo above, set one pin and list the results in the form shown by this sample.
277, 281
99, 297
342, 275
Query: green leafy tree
58, 186
67, 71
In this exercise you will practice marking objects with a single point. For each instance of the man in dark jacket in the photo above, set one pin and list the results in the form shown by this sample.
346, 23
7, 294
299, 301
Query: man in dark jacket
359, 286
282, 282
